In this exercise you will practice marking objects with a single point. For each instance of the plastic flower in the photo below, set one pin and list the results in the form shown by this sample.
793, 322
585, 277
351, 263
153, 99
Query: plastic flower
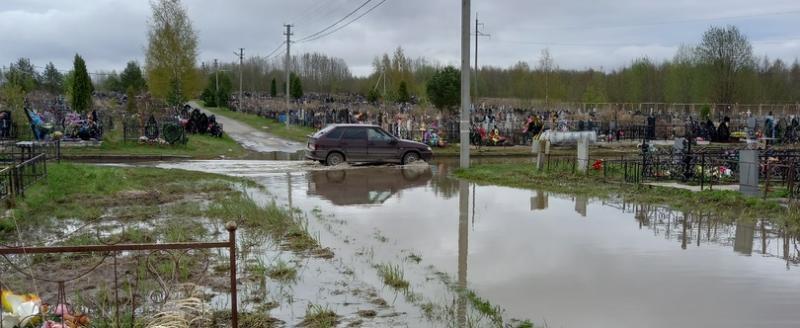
19, 310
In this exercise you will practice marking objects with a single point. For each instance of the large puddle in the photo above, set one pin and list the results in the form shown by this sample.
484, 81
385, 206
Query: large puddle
559, 260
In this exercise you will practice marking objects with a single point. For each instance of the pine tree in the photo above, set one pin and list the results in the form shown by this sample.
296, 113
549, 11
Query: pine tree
296, 89
132, 77
52, 79
273, 88
81, 88
402, 93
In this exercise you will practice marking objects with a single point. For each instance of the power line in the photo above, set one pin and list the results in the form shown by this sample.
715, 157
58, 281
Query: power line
621, 44
280, 46
346, 24
308, 37
689, 20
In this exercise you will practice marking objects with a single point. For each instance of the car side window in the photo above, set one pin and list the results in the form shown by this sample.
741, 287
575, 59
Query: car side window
378, 135
334, 135
355, 134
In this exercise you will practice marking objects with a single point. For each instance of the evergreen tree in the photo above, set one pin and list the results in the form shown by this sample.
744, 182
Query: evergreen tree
81, 87
444, 89
373, 96
23, 75
132, 77
52, 79
296, 88
402, 93
273, 88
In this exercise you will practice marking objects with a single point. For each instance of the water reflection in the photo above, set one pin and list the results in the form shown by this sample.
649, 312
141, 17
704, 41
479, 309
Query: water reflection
699, 228
541, 201
369, 186
580, 263
463, 250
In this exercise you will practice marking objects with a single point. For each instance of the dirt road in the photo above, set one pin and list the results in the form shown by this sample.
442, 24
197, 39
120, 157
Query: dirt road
252, 138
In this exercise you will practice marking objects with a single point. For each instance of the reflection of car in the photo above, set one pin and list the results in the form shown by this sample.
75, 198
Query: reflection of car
365, 186
341, 143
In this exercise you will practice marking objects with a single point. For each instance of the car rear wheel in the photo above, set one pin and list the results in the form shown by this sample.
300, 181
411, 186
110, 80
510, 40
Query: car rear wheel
334, 159
410, 157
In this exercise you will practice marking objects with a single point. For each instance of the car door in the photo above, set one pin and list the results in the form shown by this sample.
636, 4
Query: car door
381, 146
354, 144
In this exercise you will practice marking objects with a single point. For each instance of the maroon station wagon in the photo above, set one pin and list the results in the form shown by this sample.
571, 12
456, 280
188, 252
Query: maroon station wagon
339, 143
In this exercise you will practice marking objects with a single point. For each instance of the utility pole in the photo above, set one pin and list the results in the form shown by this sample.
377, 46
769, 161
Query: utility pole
241, 73
216, 80
465, 85
288, 35
478, 34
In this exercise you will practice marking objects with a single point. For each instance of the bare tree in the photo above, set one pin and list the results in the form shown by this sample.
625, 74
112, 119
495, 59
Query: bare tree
727, 53
546, 65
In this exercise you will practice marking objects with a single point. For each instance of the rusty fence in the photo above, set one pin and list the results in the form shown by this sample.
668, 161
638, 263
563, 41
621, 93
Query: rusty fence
15, 178
139, 303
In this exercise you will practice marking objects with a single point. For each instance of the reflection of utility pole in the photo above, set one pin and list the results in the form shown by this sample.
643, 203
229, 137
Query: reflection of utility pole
463, 251
289, 182
473, 206
478, 34
288, 67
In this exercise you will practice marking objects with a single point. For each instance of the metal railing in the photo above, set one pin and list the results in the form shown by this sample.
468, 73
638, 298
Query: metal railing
17, 177
115, 252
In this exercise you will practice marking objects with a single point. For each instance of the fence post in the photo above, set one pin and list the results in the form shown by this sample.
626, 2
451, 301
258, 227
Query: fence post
702, 170
766, 182
231, 227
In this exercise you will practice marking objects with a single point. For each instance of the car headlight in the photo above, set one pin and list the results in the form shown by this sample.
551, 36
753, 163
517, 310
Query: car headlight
429, 148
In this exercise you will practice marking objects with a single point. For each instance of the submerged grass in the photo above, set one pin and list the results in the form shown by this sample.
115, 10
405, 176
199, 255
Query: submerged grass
728, 204
392, 276
281, 271
318, 316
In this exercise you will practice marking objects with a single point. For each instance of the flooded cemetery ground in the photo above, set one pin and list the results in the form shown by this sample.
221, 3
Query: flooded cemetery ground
412, 246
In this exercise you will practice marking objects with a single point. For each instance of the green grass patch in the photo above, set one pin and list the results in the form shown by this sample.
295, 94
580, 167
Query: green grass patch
294, 133
198, 146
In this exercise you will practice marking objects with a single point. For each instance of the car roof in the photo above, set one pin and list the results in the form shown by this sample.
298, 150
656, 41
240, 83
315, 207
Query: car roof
354, 125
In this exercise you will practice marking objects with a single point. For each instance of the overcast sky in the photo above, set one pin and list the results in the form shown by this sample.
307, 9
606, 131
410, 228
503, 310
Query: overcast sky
579, 33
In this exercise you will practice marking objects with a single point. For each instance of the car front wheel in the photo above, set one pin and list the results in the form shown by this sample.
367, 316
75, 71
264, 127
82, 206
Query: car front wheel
334, 159
410, 157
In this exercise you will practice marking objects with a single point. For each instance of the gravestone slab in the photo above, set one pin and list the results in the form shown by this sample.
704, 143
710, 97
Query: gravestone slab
748, 172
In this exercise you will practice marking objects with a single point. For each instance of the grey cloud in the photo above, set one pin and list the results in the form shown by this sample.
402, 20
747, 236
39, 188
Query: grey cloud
579, 33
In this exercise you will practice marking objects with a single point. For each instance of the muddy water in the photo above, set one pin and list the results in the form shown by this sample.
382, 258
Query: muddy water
558, 260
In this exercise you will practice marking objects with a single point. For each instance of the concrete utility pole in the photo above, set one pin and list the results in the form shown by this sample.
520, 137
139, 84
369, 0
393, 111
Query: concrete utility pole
241, 73
288, 67
478, 34
216, 81
465, 85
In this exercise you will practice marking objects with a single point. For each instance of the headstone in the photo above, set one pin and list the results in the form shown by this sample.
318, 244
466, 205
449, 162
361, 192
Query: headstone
583, 155
748, 172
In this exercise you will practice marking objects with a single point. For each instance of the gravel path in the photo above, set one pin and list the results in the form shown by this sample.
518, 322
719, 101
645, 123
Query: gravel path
251, 138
